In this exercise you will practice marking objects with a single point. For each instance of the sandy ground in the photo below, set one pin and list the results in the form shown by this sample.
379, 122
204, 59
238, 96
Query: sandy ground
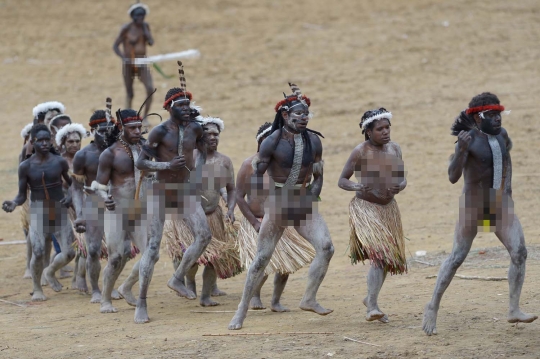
421, 59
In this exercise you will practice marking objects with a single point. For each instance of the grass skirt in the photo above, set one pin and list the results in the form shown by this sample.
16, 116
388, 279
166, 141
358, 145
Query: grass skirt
292, 250
377, 235
221, 253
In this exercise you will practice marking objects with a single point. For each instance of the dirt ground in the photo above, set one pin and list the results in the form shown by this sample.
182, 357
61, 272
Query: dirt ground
421, 59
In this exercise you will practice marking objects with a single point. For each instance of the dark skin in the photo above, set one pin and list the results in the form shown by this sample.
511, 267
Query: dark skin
379, 141
163, 140
278, 162
85, 163
473, 158
134, 37
116, 166
41, 162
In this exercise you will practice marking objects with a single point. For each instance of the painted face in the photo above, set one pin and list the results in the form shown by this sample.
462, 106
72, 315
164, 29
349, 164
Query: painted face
132, 133
211, 136
42, 142
180, 110
101, 132
380, 133
73, 143
491, 122
138, 16
298, 117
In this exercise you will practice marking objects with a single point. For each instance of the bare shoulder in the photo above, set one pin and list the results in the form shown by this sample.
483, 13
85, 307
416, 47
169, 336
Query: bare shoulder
196, 127
395, 147
224, 160
107, 155
158, 132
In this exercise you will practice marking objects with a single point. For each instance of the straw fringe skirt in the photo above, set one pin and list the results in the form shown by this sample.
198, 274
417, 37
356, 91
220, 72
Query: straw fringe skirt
221, 253
377, 235
292, 250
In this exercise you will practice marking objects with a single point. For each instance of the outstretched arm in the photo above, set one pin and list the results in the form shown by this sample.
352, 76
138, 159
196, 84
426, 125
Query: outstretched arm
459, 158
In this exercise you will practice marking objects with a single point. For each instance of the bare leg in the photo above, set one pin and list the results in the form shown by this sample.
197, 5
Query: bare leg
28, 271
94, 237
79, 275
190, 278
316, 232
216, 292
146, 79
65, 239
375, 280
46, 258
199, 226
209, 281
128, 82
512, 237
463, 237
256, 302
280, 280
36, 263
116, 244
269, 235
139, 239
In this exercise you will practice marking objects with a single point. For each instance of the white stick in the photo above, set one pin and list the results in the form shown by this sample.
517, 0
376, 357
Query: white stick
17, 304
192, 53
489, 279
12, 242
358, 341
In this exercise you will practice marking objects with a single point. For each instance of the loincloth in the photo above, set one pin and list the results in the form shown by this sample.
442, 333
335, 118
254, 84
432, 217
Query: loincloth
292, 250
376, 234
221, 252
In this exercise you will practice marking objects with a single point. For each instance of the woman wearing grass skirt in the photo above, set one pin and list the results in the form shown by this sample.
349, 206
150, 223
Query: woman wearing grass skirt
375, 221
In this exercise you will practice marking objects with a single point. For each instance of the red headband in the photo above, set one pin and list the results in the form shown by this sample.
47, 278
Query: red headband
127, 120
472, 110
175, 96
291, 99
100, 120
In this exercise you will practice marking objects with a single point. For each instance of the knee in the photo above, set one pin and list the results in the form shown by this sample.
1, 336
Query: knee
70, 254
519, 256
205, 237
260, 263
457, 259
94, 250
152, 251
115, 259
327, 249
38, 254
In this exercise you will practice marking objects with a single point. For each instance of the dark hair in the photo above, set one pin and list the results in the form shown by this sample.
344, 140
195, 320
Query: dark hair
485, 98
265, 126
370, 125
97, 115
38, 128
278, 124
59, 117
172, 92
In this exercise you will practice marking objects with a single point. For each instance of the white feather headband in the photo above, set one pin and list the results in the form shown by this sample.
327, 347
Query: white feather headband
47, 106
49, 123
137, 6
367, 121
67, 129
215, 120
262, 134
26, 130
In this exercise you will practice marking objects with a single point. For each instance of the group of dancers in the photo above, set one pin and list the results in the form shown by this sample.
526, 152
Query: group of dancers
120, 195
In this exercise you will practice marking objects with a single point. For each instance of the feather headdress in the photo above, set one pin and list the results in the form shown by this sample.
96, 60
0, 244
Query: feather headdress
214, 120
26, 131
65, 131
48, 106
138, 6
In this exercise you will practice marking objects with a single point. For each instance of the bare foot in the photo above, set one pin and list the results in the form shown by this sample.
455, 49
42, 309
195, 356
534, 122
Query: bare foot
277, 307
180, 288
429, 324
374, 314
38, 296
141, 314
519, 317
191, 285
207, 302
256, 304
96, 297
27, 274
128, 296
63, 274
237, 321
115, 295
217, 293
383, 319
314, 307
107, 307
53, 282
79, 283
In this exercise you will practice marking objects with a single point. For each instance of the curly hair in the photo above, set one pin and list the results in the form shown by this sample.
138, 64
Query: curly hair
485, 98
38, 128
